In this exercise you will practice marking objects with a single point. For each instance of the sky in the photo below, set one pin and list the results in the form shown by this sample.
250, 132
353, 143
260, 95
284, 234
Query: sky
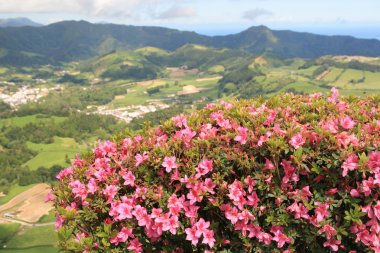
211, 17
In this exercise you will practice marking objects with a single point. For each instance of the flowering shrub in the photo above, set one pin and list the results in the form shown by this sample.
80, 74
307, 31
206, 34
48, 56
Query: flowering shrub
287, 174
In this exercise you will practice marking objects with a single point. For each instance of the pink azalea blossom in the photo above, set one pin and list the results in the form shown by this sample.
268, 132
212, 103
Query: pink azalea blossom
322, 211
180, 120
350, 164
171, 225
250, 182
280, 238
243, 135
141, 158
268, 165
122, 236
297, 141
347, 123
266, 238
49, 197
299, 210
191, 235
204, 167
332, 243
129, 178
328, 230
208, 238
374, 160
135, 246
201, 227
264, 138
92, 186
110, 192
376, 210
169, 163
79, 189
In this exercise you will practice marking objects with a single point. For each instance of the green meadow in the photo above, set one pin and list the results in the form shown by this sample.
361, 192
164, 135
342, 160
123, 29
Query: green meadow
54, 153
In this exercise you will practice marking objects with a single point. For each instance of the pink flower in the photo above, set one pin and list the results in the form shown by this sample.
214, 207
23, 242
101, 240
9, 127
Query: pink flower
79, 189
270, 118
232, 215
316, 95
299, 210
250, 182
180, 120
49, 197
64, 173
169, 163
264, 138
374, 160
376, 210
122, 236
253, 199
322, 211
110, 192
208, 238
141, 158
123, 211
347, 122
201, 226
243, 135
204, 167
329, 230
171, 225
129, 178
92, 186
344, 139
191, 235
266, 238
210, 185
59, 221
332, 243
350, 164
280, 238
297, 141
135, 245
268, 165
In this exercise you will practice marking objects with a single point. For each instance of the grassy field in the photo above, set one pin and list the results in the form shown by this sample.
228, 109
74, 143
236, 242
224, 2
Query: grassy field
22, 121
36, 249
7, 231
27, 238
137, 93
54, 153
48, 218
333, 75
13, 192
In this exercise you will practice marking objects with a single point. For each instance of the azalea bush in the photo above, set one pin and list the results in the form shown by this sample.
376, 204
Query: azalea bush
286, 174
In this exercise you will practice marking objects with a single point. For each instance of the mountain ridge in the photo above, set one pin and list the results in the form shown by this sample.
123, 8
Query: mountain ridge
18, 22
77, 40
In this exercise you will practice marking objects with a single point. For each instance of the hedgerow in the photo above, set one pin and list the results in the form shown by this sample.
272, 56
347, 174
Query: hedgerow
286, 174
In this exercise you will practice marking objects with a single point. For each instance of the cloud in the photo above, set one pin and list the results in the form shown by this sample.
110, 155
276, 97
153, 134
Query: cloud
178, 12
256, 13
91, 8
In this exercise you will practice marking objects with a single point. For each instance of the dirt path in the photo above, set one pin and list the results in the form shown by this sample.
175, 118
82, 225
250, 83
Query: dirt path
29, 206
208, 79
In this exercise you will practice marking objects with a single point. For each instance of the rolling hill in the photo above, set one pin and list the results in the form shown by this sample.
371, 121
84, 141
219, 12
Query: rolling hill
78, 40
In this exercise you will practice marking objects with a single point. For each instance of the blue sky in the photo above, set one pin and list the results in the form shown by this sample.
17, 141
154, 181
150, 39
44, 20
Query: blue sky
352, 17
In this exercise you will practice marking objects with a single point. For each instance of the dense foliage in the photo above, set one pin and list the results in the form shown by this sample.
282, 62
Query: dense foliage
291, 173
